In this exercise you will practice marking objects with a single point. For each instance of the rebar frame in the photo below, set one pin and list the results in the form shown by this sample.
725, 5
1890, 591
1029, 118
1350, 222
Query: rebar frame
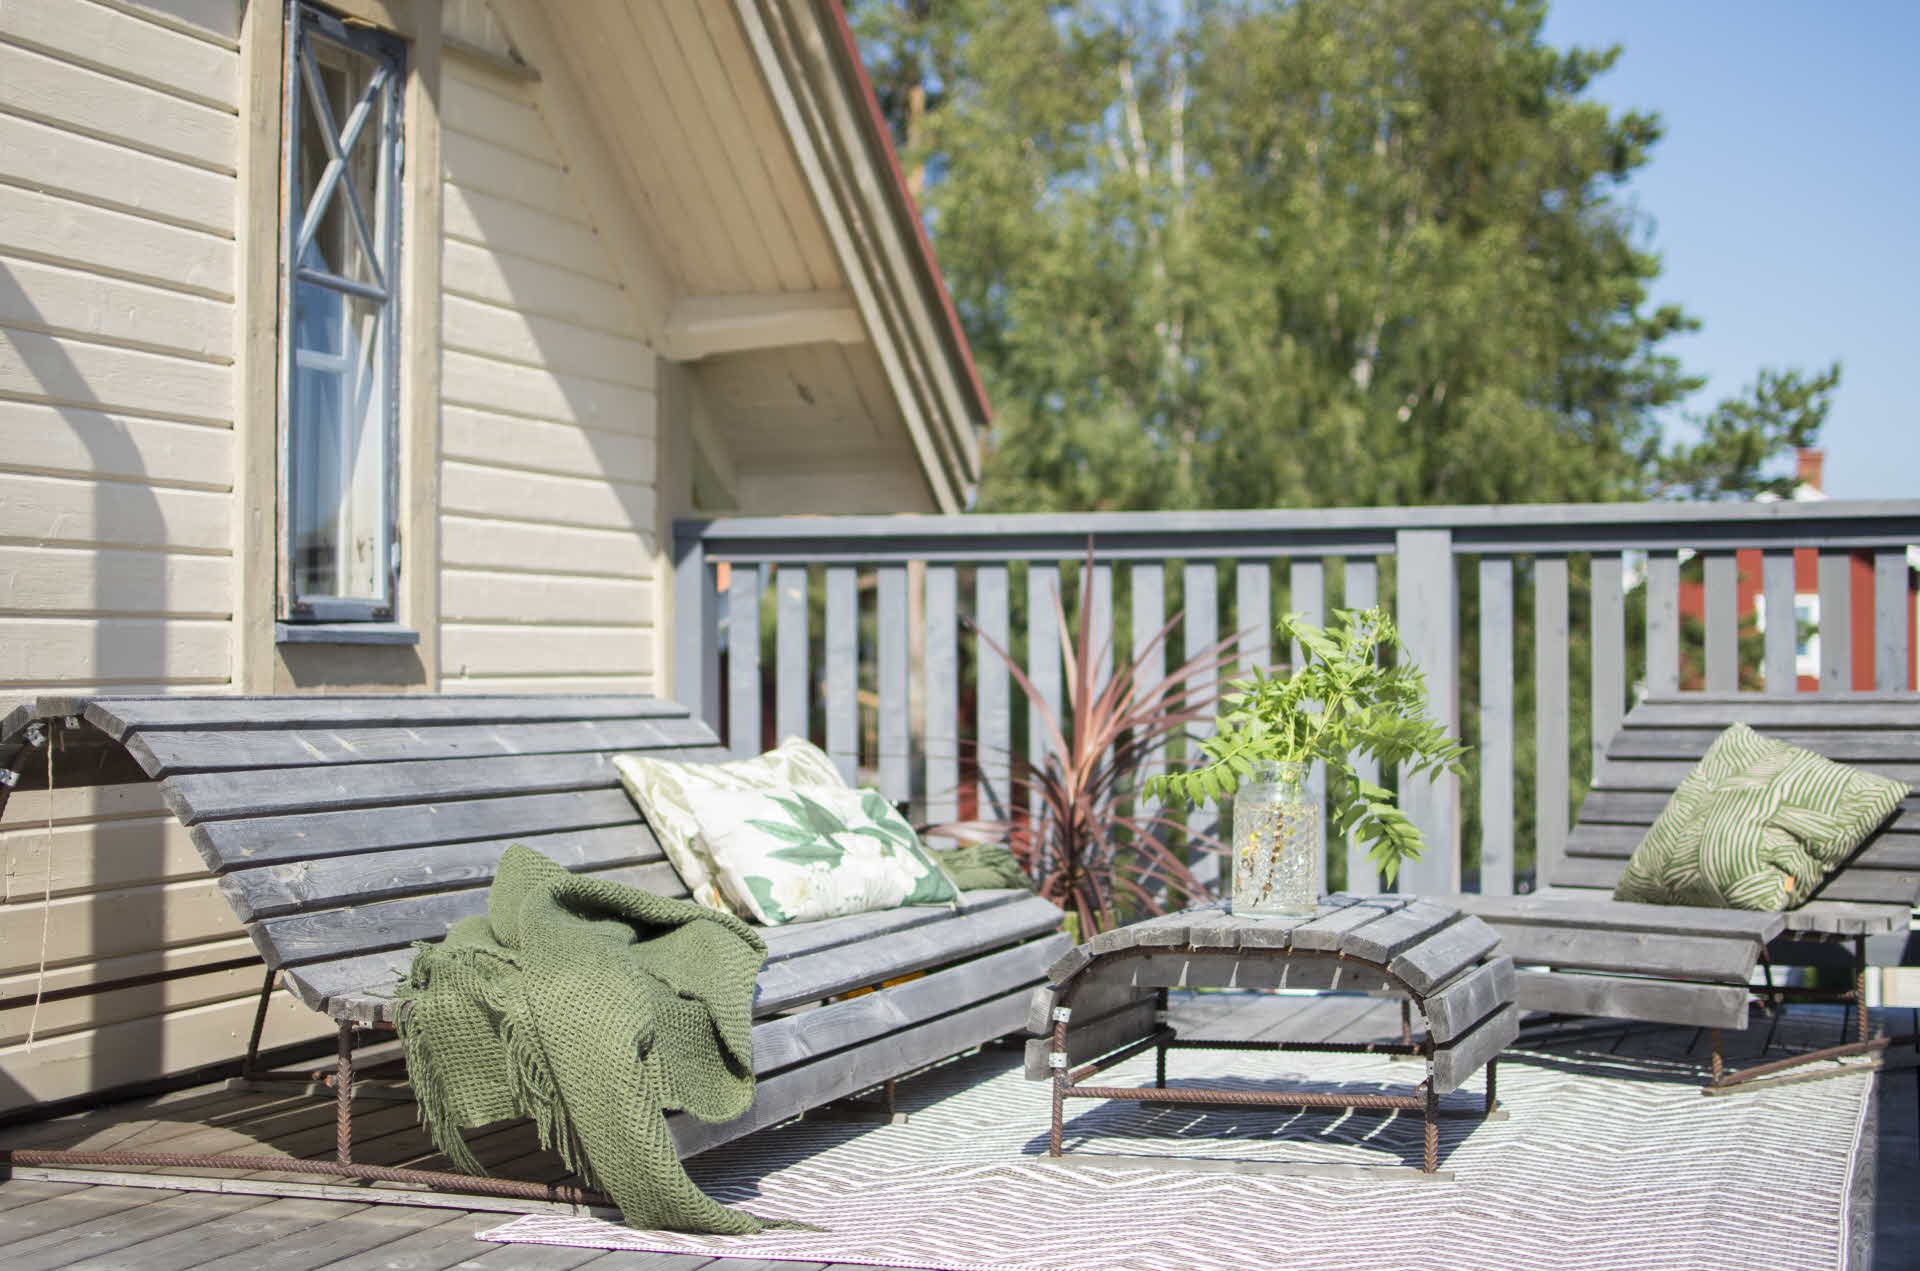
1068, 1082
1855, 999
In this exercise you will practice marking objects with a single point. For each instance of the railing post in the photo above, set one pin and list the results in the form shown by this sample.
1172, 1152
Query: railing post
696, 623
1429, 621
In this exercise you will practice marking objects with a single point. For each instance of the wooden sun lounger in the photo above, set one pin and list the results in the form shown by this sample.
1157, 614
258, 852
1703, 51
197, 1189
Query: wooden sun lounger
343, 829
1582, 953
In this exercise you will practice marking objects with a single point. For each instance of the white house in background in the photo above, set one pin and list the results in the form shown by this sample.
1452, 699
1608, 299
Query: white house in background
411, 408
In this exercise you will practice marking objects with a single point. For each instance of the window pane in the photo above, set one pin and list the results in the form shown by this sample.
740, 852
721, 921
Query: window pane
339, 238
338, 452
340, 354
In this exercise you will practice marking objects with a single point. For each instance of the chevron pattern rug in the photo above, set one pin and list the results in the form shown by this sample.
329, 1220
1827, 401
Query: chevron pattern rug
1601, 1162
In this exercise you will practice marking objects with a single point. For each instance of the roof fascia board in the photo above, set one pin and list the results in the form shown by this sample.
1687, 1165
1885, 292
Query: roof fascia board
803, 79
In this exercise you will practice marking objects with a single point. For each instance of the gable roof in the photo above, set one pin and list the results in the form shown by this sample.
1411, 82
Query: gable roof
776, 248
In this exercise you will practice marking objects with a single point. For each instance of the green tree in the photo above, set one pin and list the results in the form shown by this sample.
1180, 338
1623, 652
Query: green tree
1326, 252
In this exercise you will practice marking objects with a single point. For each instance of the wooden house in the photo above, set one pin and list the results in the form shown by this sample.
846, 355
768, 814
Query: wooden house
374, 346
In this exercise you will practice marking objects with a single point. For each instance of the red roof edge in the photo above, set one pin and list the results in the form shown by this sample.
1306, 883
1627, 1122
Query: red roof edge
877, 126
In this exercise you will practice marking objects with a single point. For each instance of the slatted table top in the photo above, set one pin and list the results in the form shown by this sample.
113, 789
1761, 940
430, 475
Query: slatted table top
1422, 943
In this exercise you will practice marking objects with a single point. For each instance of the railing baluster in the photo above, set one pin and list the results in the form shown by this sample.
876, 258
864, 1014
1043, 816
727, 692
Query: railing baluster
1720, 571
1608, 622
1043, 653
892, 676
1783, 622
1429, 617
1496, 725
943, 693
1307, 596
1892, 611
1148, 587
1551, 760
1253, 612
1836, 622
1362, 591
995, 745
843, 669
793, 683
1663, 622
1099, 641
743, 661
1201, 627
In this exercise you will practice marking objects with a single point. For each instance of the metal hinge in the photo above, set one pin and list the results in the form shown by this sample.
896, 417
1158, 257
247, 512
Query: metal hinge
1057, 1060
1061, 1014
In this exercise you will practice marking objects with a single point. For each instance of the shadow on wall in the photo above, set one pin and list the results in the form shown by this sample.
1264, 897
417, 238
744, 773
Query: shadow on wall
128, 646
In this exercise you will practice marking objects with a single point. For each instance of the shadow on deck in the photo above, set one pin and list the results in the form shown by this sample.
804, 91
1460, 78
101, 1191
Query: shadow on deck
137, 1224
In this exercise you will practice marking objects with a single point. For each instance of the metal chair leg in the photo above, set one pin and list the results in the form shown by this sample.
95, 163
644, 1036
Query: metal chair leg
343, 1095
1432, 1128
1860, 988
250, 1064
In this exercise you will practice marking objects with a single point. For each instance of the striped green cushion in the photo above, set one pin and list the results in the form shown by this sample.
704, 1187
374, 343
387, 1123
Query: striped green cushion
1758, 824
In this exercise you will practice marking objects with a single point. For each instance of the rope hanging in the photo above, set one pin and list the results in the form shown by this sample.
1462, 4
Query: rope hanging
46, 894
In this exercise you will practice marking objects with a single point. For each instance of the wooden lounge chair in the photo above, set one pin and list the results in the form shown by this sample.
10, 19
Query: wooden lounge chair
1582, 953
343, 829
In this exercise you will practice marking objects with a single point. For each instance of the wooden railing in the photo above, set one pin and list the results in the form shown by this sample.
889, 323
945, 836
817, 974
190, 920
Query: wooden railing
1535, 625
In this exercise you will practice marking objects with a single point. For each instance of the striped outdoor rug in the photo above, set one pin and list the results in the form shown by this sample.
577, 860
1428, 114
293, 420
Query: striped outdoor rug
1601, 1163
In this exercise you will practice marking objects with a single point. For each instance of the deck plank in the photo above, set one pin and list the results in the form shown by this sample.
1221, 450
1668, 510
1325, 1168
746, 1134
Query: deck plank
180, 1250
72, 1234
349, 1235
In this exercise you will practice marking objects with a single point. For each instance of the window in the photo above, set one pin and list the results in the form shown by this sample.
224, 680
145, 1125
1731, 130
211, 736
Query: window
340, 255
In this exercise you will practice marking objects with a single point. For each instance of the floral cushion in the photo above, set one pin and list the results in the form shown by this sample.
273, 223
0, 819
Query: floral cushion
663, 789
1757, 824
815, 851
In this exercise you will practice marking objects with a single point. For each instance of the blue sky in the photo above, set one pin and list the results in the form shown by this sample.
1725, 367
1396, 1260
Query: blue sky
1784, 199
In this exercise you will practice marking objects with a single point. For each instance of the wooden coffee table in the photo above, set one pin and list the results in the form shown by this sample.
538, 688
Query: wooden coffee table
1106, 1000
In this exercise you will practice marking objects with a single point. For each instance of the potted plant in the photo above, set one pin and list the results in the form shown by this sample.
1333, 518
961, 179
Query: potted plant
1340, 702
1086, 838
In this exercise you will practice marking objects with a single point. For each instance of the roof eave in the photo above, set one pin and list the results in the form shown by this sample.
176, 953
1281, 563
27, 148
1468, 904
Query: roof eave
806, 53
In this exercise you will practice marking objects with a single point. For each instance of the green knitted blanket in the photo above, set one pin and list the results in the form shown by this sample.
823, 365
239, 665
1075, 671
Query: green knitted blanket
593, 1008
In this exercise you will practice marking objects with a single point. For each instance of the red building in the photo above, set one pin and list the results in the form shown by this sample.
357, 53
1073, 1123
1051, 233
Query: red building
1806, 596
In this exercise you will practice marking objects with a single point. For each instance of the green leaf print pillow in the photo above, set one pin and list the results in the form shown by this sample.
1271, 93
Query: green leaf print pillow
797, 853
1757, 824
664, 789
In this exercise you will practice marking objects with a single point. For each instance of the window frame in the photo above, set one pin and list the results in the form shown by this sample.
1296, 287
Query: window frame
303, 22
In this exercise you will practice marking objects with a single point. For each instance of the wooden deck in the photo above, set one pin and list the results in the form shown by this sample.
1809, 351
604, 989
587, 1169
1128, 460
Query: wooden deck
79, 1225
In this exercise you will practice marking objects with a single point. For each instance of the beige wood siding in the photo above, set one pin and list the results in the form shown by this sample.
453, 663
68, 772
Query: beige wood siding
119, 135
547, 480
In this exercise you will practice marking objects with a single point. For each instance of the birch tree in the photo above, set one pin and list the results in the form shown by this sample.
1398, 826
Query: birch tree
1355, 252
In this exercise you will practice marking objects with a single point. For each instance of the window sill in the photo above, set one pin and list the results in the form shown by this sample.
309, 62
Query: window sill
343, 633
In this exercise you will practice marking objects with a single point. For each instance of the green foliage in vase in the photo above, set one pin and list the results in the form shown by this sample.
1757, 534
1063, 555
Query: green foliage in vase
1342, 701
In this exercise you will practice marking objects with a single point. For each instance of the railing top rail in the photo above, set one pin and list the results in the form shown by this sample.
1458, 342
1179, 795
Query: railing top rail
1572, 527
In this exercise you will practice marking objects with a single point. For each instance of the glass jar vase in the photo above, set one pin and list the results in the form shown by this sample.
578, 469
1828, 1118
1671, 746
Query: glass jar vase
1276, 843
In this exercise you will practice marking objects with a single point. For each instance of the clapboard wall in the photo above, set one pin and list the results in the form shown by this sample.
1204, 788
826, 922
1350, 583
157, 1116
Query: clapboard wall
121, 486
119, 144
547, 479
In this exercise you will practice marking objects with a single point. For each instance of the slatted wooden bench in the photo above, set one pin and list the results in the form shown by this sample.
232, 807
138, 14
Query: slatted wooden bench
343, 829
1106, 1000
1582, 953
